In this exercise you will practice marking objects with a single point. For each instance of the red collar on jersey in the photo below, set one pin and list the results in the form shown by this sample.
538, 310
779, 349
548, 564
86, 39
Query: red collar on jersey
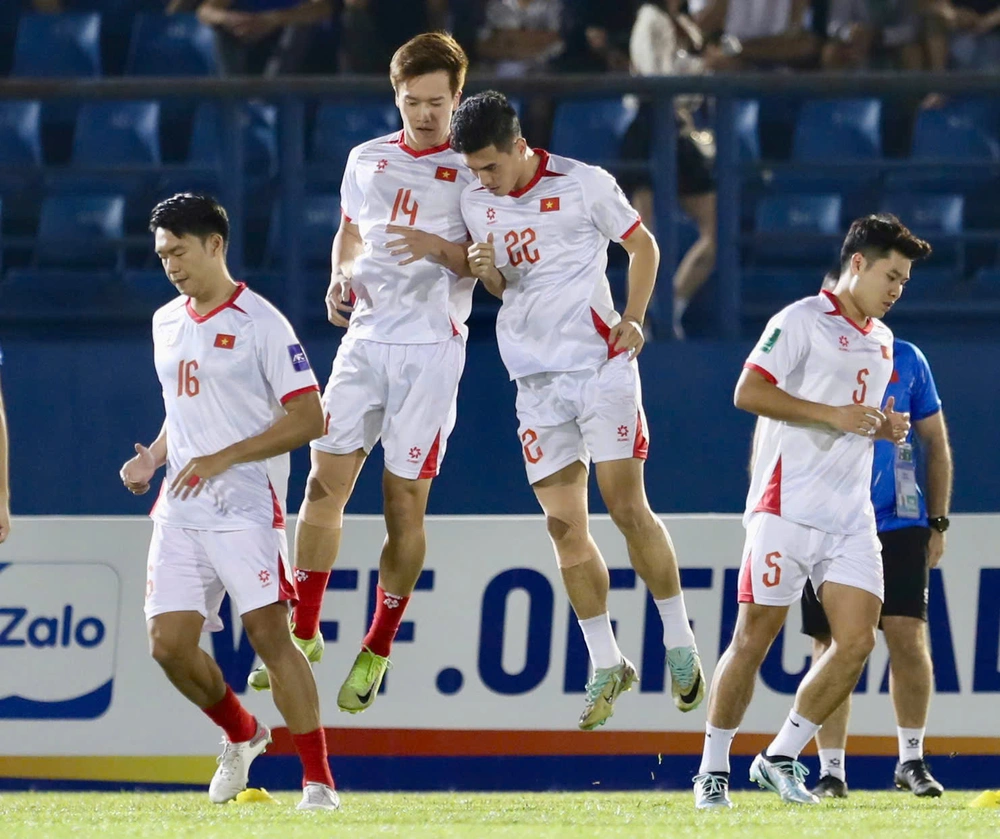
542, 172
229, 304
401, 142
864, 330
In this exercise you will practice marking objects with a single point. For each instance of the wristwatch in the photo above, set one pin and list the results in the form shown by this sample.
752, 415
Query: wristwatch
940, 523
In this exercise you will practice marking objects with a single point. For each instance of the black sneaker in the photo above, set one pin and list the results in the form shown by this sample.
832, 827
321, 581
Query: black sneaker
917, 778
830, 787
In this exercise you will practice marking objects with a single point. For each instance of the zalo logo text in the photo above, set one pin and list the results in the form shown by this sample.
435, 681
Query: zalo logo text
58, 633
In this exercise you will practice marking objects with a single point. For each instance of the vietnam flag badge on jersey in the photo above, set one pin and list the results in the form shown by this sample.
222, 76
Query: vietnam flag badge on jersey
549, 205
225, 342
445, 173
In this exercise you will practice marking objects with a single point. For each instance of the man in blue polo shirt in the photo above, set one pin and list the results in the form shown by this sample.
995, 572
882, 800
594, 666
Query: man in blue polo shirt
912, 520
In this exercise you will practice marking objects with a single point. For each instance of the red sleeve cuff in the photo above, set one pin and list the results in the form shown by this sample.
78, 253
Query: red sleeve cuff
347, 218
299, 392
632, 229
757, 368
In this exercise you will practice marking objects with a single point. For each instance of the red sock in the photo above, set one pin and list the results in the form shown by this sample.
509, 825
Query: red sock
388, 613
310, 586
312, 752
238, 723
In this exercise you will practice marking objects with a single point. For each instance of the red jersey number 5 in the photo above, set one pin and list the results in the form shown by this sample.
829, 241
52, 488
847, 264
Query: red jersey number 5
861, 392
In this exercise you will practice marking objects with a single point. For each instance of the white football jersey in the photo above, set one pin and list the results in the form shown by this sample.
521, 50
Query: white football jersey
551, 242
809, 474
225, 376
387, 182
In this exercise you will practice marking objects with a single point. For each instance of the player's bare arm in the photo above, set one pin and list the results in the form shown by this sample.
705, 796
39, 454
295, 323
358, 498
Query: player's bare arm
4, 473
933, 434
644, 258
756, 395
482, 260
138, 472
302, 422
347, 246
896, 427
414, 244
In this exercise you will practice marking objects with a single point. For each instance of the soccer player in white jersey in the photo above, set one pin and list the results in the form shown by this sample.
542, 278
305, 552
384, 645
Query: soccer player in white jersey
816, 379
239, 395
541, 226
399, 255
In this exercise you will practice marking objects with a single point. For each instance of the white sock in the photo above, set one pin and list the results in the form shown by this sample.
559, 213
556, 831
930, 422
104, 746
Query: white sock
794, 736
911, 743
833, 762
601, 643
676, 628
715, 755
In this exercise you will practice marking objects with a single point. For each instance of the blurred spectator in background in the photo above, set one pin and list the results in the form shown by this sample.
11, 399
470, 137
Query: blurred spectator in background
758, 34
665, 41
849, 33
372, 30
521, 35
597, 35
964, 34
264, 36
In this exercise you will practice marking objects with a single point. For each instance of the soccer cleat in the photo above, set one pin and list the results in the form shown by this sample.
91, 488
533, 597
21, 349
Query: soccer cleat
917, 778
830, 787
604, 687
312, 649
361, 685
687, 681
230, 779
318, 797
711, 791
783, 776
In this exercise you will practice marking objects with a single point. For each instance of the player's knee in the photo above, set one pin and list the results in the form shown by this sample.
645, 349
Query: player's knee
167, 650
321, 506
403, 507
570, 540
631, 516
856, 645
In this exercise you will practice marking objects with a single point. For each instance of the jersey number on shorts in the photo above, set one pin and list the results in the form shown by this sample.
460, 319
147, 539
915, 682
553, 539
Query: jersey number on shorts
769, 560
187, 382
531, 455
519, 246
405, 206
861, 392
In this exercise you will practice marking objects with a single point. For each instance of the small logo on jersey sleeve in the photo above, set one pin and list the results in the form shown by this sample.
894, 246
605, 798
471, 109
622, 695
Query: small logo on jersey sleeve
549, 205
298, 356
445, 173
772, 339
225, 342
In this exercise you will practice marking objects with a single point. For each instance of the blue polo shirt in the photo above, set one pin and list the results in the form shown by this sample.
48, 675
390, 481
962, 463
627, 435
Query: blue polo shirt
913, 387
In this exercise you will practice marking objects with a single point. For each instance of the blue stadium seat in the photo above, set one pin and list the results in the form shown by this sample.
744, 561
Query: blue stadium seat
798, 229
927, 215
117, 133
171, 45
320, 220
58, 45
591, 130
838, 129
30, 293
772, 288
342, 125
986, 285
81, 231
148, 290
929, 284
260, 138
747, 121
20, 162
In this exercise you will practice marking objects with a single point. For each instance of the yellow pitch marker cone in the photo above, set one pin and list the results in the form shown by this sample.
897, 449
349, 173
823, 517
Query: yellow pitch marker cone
255, 796
990, 798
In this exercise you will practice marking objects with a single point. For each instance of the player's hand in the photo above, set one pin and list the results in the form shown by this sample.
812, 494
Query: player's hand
138, 472
199, 471
338, 299
896, 426
935, 548
4, 520
483, 259
627, 335
412, 243
251, 27
862, 420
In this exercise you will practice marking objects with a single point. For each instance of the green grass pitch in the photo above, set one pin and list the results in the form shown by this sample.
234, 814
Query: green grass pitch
472, 816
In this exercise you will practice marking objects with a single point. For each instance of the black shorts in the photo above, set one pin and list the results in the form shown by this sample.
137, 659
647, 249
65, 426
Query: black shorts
694, 170
904, 564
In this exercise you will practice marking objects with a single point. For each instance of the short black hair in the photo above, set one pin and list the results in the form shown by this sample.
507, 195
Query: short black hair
189, 213
486, 119
876, 236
